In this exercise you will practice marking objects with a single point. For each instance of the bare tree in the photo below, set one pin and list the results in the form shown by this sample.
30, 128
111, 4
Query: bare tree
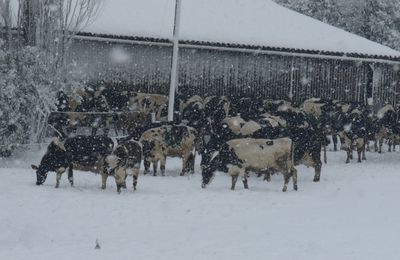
33, 67
51, 24
5, 13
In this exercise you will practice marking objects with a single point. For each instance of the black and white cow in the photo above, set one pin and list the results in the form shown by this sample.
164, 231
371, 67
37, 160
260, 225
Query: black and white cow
308, 137
149, 103
265, 156
80, 109
303, 129
351, 127
192, 113
85, 153
170, 141
125, 161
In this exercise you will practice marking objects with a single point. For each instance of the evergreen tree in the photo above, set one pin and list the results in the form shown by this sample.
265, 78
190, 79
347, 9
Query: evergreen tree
377, 20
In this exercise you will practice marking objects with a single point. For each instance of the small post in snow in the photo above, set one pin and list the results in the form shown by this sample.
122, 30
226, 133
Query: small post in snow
174, 66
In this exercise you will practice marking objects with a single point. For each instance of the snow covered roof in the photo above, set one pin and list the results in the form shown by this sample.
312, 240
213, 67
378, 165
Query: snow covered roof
256, 22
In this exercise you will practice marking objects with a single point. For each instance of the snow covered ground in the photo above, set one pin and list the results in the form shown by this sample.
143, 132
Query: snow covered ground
351, 214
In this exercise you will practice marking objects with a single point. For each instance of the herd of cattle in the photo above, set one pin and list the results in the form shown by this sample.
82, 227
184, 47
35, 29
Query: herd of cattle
234, 135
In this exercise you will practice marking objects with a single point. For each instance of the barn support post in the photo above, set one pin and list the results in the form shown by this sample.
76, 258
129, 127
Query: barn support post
291, 80
174, 67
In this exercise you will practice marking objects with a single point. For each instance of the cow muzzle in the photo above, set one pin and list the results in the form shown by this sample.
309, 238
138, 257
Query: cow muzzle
40, 178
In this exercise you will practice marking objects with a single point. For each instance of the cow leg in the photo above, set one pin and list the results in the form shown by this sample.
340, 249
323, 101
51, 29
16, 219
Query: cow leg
120, 175
359, 152
380, 145
234, 180
363, 154
71, 175
104, 180
335, 141
155, 166
267, 175
244, 180
58, 177
286, 177
162, 165
234, 171
185, 163
294, 177
351, 153
146, 164
325, 158
135, 177
191, 162
348, 155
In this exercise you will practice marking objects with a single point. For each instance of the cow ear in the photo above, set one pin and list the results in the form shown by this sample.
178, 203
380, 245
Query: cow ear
59, 143
34, 167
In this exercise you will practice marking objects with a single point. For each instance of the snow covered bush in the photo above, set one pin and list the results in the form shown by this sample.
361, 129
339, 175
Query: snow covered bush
27, 89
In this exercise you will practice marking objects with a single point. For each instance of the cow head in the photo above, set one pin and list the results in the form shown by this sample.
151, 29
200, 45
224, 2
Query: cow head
54, 159
207, 175
208, 167
41, 173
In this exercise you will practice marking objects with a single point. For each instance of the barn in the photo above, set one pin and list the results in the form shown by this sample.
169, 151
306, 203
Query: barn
277, 54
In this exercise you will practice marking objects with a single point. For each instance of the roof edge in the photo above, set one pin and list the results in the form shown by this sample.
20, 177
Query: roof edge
112, 37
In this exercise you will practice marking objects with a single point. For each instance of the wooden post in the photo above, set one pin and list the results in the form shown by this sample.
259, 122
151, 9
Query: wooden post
174, 67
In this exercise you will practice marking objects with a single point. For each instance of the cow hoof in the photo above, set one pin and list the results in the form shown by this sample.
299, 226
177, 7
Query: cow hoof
182, 174
316, 180
284, 189
203, 186
103, 187
295, 187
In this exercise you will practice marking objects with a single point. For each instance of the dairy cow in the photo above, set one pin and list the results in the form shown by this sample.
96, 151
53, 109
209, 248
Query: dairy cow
125, 161
149, 103
85, 153
170, 141
239, 156
80, 109
308, 137
192, 112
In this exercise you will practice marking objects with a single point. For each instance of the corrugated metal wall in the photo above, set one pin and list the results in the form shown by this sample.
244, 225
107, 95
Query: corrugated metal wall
146, 68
